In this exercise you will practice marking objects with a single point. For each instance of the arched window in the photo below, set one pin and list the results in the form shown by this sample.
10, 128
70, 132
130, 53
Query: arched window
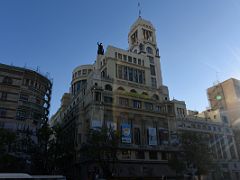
133, 91
155, 97
108, 87
135, 51
120, 88
144, 93
149, 50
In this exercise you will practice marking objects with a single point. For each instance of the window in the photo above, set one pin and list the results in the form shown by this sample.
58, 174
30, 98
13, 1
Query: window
154, 82
130, 70
137, 139
148, 106
140, 155
23, 97
158, 108
139, 61
7, 80
120, 89
129, 59
108, 99
27, 81
152, 70
135, 75
133, 91
130, 74
149, 50
108, 87
97, 96
116, 54
141, 76
137, 104
224, 119
124, 57
84, 72
119, 56
120, 71
123, 101
155, 97
4, 96
153, 155
3, 112
151, 60
22, 115
125, 73
147, 35
134, 60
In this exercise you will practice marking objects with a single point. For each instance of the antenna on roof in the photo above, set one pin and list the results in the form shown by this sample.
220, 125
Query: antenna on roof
139, 10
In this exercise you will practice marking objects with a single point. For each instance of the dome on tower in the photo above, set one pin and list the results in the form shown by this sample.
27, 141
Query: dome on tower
141, 22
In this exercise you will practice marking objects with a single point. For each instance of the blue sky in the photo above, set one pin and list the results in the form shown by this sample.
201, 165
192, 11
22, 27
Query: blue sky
197, 39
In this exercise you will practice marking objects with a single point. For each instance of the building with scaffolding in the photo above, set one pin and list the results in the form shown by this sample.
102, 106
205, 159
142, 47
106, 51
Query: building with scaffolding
24, 101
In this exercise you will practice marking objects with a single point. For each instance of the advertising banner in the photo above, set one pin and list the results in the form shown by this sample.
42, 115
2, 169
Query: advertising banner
152, 136
112, 125
163, 136
96, 124
174, 139
126, 133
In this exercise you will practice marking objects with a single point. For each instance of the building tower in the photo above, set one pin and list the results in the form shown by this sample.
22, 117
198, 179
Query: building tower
142, 40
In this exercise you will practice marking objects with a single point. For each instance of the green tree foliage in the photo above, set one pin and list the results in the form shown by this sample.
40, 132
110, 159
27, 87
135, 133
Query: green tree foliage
42, 158
197, 151
101, 148
53, 154
177, 164
8, 161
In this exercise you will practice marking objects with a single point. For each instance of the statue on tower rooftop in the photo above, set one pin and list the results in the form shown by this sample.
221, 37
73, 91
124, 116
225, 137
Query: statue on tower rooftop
100, 49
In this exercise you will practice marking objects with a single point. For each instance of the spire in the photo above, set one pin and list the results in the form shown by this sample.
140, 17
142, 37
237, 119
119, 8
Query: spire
139, 10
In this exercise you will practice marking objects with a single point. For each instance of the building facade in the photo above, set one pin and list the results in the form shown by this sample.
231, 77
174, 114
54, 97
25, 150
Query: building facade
221, 141
225, 96
24, 99
124, 89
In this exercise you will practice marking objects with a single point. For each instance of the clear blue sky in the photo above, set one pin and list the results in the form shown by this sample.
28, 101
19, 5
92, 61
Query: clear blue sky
196, 39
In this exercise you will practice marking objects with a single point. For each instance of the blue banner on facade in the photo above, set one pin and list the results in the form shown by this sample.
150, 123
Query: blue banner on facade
126, 133
152, 136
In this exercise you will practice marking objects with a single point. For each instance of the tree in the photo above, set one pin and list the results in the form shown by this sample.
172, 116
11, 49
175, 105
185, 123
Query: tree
62, 152
8, 161
197, 152
41, 157
177, 164
53, 154
101, 148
